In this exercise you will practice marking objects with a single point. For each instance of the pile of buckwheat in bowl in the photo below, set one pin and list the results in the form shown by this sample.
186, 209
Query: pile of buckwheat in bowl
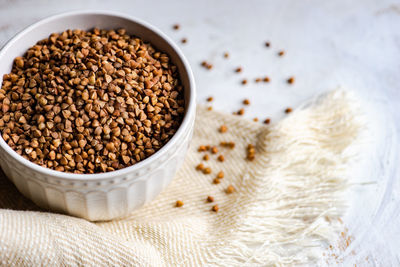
90, 101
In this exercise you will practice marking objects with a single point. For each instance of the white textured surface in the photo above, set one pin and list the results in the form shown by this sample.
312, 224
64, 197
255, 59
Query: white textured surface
327, 43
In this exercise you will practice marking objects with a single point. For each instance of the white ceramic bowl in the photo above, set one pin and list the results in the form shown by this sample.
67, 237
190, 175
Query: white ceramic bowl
109, 195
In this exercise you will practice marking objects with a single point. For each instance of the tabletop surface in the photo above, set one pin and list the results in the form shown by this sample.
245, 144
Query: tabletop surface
327, 44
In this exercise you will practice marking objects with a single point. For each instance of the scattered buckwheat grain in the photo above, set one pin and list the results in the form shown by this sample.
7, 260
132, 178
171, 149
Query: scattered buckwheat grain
290, 80
250, 152
230, 145
200, 167
207, 170
206, 65
288, 110
216, 181
230, 189
202, 148
223, 129
179, 203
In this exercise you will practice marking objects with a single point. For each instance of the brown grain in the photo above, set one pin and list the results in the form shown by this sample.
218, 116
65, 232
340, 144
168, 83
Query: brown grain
216, 181
90, 101
202, 148
215, 208
223, 129
207, 170
206, 65
179, 203
230, 145
200, 167
238, 69
230, 189
250, 152
290, 80
220, 175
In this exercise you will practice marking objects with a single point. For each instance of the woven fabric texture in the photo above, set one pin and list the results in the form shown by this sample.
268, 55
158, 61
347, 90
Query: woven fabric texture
281, 212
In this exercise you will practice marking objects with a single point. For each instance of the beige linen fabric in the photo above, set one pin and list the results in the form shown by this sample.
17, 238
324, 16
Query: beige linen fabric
283, 208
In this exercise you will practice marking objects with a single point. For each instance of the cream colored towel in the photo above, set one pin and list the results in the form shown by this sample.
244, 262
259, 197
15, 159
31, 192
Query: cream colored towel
281, 213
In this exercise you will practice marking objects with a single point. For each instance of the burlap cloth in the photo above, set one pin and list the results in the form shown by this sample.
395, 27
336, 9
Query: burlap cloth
281, 213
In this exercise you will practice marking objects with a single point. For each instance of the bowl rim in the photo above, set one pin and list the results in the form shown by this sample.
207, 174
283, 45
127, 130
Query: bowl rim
186, 122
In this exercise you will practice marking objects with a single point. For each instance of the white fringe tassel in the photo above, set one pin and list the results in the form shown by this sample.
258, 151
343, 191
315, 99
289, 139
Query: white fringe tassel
297, 197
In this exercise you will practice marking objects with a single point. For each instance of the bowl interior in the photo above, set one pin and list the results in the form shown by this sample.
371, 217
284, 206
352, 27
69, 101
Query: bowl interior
103, 20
